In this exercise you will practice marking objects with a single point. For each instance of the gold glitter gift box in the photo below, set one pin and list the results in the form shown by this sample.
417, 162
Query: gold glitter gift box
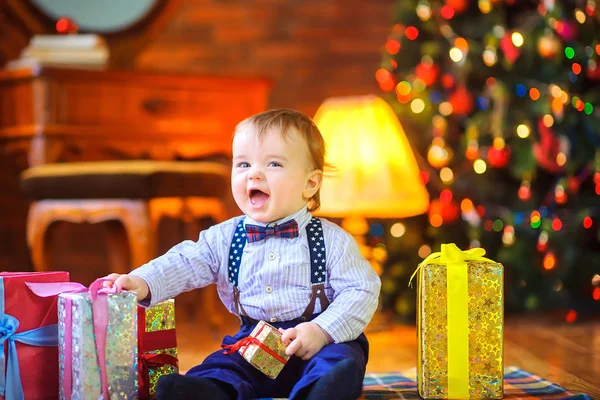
263, 349
158, 346
460, 313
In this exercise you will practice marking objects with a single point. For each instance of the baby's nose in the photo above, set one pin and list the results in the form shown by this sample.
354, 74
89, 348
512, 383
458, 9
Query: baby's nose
255, 173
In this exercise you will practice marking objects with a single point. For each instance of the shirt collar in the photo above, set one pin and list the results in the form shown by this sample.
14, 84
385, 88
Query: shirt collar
302, 217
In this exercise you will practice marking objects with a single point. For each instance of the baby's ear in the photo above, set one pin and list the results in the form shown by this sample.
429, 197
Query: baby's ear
313, 183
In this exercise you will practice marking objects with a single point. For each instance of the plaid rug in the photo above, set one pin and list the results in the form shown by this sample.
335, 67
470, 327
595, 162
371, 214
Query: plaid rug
518, 384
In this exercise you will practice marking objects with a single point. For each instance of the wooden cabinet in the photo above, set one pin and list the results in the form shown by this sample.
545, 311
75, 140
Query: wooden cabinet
59, 114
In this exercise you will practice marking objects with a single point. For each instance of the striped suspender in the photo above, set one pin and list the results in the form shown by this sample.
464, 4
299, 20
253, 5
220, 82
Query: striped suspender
318, 268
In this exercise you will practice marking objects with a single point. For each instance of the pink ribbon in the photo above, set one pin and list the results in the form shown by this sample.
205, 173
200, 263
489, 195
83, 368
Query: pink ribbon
99, 315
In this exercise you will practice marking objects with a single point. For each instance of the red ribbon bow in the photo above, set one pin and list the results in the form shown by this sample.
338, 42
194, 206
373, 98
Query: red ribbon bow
247, 341
148, 361
151, 341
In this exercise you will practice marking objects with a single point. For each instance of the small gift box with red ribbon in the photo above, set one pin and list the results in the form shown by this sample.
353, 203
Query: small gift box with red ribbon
157, 346
28, 337
263, 349
97, 335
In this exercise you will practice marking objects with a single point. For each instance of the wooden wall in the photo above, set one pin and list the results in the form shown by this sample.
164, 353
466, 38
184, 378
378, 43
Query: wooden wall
310, 49
14, 35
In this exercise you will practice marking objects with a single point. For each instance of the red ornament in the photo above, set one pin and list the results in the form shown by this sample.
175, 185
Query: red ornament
590, 9
511, 52
548, 46
524, 192
567, 30
411, 33
427, 72
461, 101
573, 184
546, 150
447, 81
498, 158
593, 71
458, 5
66, 25
449, 211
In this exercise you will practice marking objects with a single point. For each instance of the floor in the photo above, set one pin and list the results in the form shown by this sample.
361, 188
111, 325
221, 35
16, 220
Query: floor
566, 354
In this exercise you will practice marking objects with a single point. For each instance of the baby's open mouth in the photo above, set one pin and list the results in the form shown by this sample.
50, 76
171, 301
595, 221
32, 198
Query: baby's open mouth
258, 197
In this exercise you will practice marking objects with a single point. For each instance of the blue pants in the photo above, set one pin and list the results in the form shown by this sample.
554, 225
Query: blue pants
297, 374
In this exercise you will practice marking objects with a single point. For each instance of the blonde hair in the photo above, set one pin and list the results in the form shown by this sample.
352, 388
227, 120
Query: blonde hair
286, 121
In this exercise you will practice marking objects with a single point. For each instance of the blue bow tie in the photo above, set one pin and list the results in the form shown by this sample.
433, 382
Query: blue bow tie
256, 233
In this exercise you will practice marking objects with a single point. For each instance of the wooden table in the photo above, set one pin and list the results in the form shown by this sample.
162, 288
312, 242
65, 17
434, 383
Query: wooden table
61, 114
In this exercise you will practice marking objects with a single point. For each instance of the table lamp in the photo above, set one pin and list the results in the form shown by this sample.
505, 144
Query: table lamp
375, 171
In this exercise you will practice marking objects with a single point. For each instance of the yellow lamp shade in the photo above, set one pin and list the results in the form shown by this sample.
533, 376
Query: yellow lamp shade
375, 171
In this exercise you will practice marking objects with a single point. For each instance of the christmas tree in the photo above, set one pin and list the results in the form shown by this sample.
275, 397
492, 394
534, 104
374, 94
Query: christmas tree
502, 100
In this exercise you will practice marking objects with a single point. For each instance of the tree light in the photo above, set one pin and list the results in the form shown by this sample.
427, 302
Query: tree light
417, 106
466, 205
424, 12
523, 131
445, 108
548, 120
411, 33
489, 57
517, 39
479, 166
456, 54
446, 175
398, 230
403, 88
424, 251
549, 261
485, 6
534, 93
436, 220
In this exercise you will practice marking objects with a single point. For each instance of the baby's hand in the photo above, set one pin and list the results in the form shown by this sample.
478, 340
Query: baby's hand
305, 340
129, 282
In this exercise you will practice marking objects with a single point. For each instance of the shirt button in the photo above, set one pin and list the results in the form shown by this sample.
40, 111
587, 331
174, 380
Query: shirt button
273, 319
271, 256
269, 289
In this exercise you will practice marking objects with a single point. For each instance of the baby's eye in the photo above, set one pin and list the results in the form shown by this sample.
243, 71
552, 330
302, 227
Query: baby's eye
243, 165
273, 164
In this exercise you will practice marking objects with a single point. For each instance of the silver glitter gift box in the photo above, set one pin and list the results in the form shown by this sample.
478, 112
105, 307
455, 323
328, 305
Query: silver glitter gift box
121, 347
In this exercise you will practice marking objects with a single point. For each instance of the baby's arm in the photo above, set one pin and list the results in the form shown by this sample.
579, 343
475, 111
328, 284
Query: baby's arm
188, 265
356, 294
356, 290
129, 282
305, 340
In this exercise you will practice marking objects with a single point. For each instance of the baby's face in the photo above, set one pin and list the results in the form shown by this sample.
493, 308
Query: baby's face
271, 177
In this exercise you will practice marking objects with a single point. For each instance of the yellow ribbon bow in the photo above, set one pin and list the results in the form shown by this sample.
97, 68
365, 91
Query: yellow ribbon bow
451, 254
457, 312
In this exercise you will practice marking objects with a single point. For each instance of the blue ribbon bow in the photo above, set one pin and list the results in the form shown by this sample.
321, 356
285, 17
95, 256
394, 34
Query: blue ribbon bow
10, 377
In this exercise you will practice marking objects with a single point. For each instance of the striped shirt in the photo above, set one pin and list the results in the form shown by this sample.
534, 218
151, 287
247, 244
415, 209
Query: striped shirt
274, 277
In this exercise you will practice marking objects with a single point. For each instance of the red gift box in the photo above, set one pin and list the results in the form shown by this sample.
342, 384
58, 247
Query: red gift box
38, 365
157, 346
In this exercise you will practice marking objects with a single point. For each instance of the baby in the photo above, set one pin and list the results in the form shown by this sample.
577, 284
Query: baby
277, 263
